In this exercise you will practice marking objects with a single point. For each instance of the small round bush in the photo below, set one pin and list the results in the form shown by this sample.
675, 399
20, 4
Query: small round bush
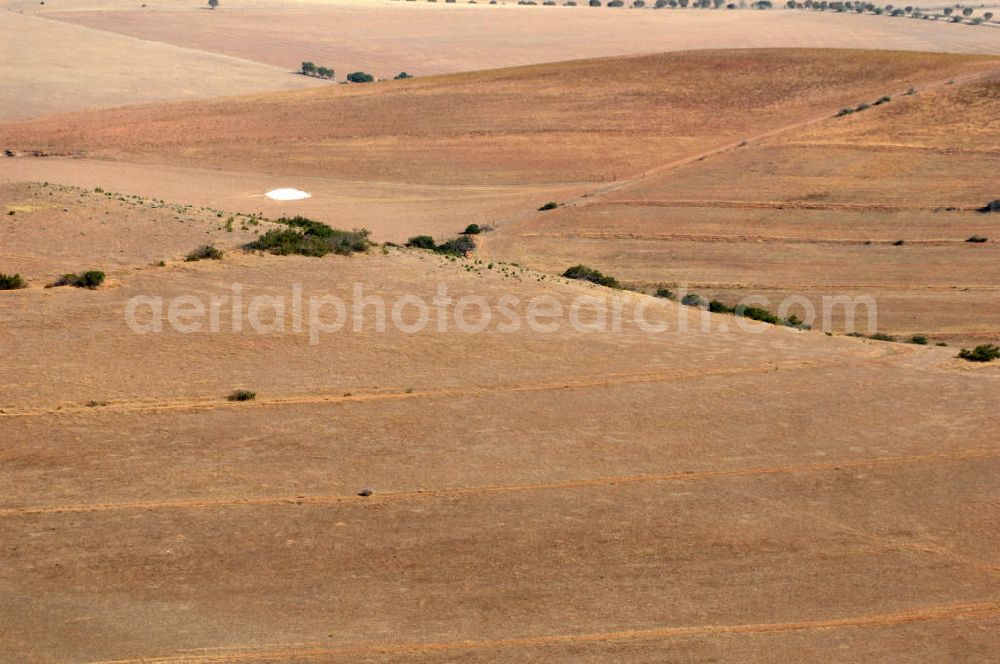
242, 395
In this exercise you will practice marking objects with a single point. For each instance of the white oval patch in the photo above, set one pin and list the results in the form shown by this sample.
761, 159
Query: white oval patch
287, 195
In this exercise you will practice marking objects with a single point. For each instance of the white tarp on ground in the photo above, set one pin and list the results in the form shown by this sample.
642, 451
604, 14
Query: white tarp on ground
287, 195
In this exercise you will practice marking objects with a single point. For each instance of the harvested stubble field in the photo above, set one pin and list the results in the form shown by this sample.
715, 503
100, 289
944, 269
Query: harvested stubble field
513, 514
703, 493
423, 38
815, 211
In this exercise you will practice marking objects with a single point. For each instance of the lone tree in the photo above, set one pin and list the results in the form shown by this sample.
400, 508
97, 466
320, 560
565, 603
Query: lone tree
212, 4
309, 68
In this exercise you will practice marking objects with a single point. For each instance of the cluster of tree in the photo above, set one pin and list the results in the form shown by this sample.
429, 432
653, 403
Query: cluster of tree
888, 10
310, 69
360, 77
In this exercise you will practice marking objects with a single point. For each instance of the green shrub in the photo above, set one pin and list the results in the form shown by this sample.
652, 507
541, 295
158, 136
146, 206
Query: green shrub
844, 111
472, 229
551, 205
242, 395
207, 252
402, 75
898, 243
90, 279
879, 336
796, 322
360, 77
306, 237
977, 239
756, 313
693, 300
882, 100
459, 246
717, 307
422, 242
918, 339
985, 353
584, 273
665, 293
11, 282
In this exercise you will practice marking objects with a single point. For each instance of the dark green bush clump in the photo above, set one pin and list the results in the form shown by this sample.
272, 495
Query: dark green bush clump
11, 282
692, 300
992, 206
977, 239
717, 307
242, 395
306, 237
985, 353
459, 246
918, 339
584, 273
757, 313
422, 242
90, 279
472, 229
665, 293
360, 77
207, 252
879, 336
551, 205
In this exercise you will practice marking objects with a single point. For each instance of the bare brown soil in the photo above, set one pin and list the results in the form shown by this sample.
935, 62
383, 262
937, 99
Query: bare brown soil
145, 517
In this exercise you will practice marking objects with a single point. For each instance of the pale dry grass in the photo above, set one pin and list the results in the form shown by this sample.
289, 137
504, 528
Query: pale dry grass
51, 66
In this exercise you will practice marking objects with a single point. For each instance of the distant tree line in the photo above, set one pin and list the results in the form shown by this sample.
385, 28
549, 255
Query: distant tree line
310, 69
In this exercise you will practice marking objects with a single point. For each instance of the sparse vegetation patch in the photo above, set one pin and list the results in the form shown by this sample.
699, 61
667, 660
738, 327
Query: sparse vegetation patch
206, 252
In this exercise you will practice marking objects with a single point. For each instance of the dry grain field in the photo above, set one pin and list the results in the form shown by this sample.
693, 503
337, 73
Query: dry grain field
348, 428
